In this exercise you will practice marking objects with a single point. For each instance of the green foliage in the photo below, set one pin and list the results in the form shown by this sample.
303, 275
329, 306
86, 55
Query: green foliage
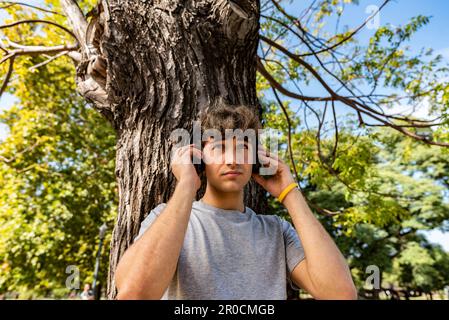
405, 194
420, 268
384, 188
57, 184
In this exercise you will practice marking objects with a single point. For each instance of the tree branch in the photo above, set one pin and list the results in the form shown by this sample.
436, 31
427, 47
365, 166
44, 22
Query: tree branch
36, 50
15, 23
284, 91
48, 60
27, 149
320, 210
362, 108
14, 3
76, 19
334, 150
8, 75
332, 47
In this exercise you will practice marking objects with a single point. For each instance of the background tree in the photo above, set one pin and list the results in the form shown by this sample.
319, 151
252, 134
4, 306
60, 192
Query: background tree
56, 172
151, 67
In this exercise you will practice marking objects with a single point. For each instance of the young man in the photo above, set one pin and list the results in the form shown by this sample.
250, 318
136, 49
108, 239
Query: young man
217, 248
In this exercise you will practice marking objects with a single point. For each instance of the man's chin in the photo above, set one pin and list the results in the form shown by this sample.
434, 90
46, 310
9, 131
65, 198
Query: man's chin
231, 186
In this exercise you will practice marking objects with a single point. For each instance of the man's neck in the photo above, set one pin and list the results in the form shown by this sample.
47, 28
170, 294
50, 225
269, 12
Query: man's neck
223, 200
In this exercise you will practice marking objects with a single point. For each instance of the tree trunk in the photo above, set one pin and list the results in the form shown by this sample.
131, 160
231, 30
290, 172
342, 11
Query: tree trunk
165, 61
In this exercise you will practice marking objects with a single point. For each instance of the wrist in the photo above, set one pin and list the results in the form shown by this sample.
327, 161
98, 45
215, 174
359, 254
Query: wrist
286, 189
292, 197
188, 187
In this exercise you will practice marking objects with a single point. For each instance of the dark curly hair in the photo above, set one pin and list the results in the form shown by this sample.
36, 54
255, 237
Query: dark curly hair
221, 116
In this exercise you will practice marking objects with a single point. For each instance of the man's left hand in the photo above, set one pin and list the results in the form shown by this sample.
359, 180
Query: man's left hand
280, 180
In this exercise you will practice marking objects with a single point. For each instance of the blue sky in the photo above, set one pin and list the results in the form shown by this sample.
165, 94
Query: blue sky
434, 35
398, 12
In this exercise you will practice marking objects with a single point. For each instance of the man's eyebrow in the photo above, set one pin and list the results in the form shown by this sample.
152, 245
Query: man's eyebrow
245, 141
239, 142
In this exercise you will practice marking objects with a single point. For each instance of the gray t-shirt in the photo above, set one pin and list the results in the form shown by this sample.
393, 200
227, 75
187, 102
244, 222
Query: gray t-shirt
229, 254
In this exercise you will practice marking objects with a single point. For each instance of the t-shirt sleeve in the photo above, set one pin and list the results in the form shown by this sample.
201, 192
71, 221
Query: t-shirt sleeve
146, 223
294, 251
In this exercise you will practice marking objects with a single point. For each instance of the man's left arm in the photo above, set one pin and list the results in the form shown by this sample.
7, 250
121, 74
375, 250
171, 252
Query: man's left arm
324, 272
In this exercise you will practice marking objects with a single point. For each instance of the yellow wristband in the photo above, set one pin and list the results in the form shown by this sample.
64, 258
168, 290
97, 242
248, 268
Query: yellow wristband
286, 191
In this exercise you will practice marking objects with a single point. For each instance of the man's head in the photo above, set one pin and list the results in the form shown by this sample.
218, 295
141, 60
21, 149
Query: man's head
234, 152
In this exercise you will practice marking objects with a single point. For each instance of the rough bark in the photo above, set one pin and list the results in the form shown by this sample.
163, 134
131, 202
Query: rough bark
154, 66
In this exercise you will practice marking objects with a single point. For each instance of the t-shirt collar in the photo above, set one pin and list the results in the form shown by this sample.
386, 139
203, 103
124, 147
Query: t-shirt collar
216, 209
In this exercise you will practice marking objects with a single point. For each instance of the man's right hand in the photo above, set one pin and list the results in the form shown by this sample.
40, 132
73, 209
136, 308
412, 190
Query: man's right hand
182, 166
147, 267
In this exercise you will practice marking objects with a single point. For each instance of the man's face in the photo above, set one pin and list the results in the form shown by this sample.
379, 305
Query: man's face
228, 163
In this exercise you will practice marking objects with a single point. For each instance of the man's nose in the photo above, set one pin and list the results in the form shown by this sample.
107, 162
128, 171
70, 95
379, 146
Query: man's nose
231, 156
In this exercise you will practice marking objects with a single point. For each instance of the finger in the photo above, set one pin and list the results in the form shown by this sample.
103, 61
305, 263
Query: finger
175, 154
269, 154
269, 166
177, 150
186, 158
181, 156
180, 150
186, 148
273, 155
190, 148
267, 160
186, 151
197, 153
258, 179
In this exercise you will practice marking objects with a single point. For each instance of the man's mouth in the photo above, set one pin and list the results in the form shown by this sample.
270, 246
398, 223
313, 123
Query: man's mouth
232, 173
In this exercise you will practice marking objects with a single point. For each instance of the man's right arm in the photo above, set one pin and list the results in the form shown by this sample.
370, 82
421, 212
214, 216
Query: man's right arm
148, 266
